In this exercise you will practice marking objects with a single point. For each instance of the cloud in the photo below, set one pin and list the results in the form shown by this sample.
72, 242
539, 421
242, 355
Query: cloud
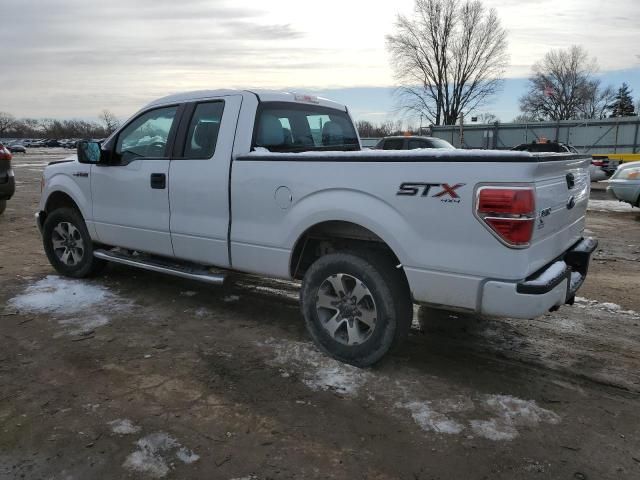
76, 57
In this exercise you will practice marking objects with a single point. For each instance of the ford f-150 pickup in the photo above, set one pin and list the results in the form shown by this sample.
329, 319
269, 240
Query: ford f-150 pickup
276, 184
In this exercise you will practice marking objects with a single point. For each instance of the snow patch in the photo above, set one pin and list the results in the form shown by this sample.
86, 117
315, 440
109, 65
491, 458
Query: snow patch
428, 419
74, 303
444, 415
60, 296
202, 312
124, 426
318, 371
609, 307
609, 206
510, 412
187, 456
493, 429
427, 154
153, 456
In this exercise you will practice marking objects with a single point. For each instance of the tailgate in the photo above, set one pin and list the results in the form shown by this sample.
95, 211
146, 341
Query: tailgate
562, 194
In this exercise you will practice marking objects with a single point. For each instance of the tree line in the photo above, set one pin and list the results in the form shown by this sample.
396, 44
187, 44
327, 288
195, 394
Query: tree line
12, 127
367, 129
449, 60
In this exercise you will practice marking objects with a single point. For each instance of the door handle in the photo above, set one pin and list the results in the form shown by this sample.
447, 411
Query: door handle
158, 180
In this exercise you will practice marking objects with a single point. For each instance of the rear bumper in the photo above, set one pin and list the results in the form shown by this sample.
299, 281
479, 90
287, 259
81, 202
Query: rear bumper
547, 289
7, 185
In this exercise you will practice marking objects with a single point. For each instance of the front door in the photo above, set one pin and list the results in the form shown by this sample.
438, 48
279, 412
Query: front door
130, 193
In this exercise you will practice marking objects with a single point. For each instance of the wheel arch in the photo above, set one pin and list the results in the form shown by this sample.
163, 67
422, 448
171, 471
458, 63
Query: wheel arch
61, 191
60, 199
335, 235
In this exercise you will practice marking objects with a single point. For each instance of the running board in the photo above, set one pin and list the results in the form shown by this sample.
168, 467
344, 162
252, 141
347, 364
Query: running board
200, 275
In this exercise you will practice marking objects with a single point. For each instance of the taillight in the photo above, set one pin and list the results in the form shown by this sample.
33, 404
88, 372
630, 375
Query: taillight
597, 163
509, 212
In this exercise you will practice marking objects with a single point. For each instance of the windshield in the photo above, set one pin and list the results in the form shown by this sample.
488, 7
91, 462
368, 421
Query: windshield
290, 127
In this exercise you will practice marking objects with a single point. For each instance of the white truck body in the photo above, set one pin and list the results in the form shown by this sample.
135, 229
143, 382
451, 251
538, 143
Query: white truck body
249, 209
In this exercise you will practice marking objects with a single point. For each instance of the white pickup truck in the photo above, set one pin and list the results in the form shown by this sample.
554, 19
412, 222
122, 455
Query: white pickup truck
276, 184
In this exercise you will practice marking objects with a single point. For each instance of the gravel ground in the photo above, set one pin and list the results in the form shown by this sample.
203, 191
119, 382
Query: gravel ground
139, 375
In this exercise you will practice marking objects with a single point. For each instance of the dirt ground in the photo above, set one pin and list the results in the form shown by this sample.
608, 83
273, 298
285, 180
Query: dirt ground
139, 375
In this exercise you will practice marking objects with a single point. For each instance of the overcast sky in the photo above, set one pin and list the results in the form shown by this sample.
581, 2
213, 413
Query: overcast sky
72, 58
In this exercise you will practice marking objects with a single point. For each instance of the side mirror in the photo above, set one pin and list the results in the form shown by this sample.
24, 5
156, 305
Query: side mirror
89, 152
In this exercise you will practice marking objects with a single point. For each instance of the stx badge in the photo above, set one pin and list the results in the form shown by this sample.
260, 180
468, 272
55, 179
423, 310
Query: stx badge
448, 193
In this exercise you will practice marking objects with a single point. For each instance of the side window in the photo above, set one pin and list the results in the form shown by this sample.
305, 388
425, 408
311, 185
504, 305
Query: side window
393, 144
147, 136
413, 144
202, 135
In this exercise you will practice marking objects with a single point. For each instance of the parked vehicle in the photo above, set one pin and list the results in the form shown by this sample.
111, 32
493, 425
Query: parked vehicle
7, 180
411, 142
276, 184
596, 172
545, 146
17, 148
609, 162
625, 183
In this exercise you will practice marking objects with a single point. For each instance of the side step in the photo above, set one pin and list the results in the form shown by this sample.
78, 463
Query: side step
161, 266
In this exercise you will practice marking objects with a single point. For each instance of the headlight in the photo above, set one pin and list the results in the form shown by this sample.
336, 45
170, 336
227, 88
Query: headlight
627, 174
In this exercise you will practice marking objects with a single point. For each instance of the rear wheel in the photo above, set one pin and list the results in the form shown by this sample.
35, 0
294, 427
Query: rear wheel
68, 244
356, 308
3, 206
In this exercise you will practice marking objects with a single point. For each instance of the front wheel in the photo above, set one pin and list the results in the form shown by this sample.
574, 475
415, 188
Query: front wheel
356, 308
68, 244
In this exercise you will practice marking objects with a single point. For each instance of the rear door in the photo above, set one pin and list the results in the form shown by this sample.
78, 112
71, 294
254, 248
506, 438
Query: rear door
199, 180
130, 194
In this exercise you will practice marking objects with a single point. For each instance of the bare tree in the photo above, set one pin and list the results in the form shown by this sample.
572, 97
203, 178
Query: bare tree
563, 87
448, 58
597, 101
526, 118
109, 120
488, 118
365, 128
7, 122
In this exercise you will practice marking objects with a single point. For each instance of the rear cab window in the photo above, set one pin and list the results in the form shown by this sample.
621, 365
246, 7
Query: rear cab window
289, 127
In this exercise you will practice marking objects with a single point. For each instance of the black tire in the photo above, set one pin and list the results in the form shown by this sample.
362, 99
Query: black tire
3, 206
388, 288
85, 266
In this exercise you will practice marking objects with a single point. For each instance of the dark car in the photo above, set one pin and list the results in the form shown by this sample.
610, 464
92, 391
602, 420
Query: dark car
412, 142
51, 143
17, 148
7, 182
545, 146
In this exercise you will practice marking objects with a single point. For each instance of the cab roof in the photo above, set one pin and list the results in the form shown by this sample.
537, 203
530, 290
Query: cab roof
263, 96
